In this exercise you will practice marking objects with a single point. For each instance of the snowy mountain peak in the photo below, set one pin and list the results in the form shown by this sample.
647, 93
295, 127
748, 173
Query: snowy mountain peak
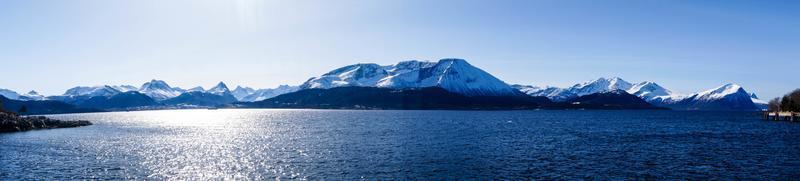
648, 90
600, 85
92, 91
159, 90
9, 94
455, 75
32, 95
723, 91
363, 74
453, 61
125, 88
358, 71
753, 95
725, 97
197, 89
406, 66
220, 86
243, 89
155, 85
240, 92
32, 92
262, 94
219, 89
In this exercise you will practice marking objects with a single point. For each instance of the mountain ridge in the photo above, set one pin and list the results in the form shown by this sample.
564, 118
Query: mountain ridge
454, 75
719, 98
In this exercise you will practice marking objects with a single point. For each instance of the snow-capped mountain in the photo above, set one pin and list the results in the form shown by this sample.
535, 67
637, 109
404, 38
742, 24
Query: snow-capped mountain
197, 89
721, 92
219, 89
582, 89
125, 88
159, 90
650, 91
761, 104
726, 97
553, 93
9, 94
240, 92
454, 75
32, 96
92, 91
363, 75
263, 94
599, 85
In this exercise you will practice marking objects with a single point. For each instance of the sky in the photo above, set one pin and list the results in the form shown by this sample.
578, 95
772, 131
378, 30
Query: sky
684, 45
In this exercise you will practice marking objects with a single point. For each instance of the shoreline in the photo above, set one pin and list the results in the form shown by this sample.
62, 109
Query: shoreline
10, 122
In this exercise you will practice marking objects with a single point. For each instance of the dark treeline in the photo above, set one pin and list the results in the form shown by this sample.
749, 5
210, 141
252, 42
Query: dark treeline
2, 109
789, 102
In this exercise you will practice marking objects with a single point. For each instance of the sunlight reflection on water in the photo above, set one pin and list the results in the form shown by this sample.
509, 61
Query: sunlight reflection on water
339, 144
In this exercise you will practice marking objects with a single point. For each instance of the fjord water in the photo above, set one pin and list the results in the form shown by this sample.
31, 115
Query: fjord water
349, 144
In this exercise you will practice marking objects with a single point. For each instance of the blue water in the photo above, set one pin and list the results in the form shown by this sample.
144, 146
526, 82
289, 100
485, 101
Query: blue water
340, 144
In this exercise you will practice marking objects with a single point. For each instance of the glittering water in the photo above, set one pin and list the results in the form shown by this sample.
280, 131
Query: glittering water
335, 144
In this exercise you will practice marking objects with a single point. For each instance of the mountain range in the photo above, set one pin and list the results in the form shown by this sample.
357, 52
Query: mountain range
410, 79
725, 97
155, 94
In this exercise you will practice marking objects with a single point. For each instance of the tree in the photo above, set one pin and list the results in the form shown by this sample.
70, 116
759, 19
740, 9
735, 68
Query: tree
1, 107
791, 101
774, 104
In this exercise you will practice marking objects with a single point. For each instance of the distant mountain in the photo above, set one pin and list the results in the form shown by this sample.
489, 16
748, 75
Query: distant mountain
219, 89
9, 94
197, 89
74, 100
200, 99
586, 88
160, 90
554, 93
614, 99
454, 75
654, 94
761, 104
130, 99
125, 88
42, 107
351, 97
263, 94
649, 91
600, 85
78, 95
92, 91
726, 97
32, 96
240, 92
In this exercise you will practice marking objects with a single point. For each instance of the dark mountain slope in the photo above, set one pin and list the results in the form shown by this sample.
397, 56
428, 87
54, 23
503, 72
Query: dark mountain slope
200, 99
385, 98
119, 101
42, 107
617, 99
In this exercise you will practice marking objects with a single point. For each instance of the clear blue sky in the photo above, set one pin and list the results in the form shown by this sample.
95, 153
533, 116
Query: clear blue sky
685, 45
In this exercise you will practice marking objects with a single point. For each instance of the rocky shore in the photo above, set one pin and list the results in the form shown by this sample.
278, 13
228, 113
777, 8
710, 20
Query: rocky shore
10, 122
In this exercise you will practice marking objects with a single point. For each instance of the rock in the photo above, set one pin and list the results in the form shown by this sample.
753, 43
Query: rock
10, 122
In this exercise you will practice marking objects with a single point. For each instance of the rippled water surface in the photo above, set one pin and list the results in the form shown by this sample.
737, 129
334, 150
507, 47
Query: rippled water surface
337, 144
